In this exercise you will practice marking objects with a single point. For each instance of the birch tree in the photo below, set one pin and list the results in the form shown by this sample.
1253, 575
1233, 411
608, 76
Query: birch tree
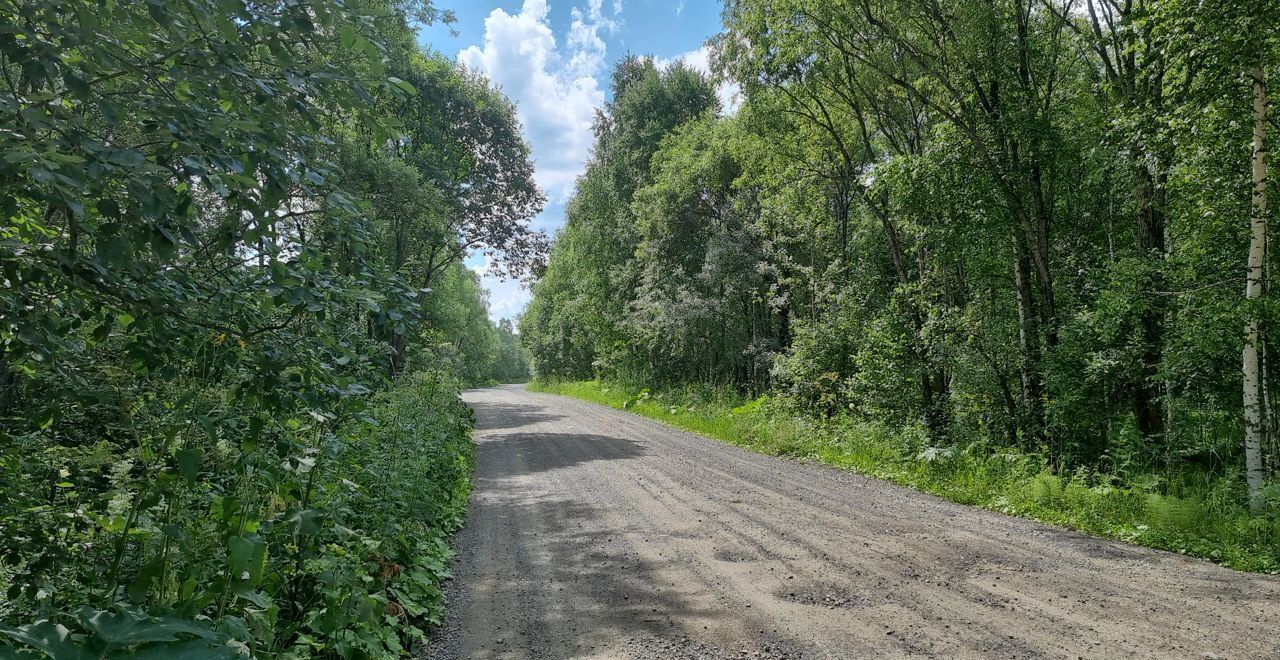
1254, 284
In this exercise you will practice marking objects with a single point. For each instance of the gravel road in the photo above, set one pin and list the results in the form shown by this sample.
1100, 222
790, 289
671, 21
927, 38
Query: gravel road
595, 533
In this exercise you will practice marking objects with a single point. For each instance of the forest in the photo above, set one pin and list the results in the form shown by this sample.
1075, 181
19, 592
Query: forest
1015, 253
234, 321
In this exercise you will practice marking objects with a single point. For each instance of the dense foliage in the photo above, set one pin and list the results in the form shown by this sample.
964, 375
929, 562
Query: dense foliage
234, 322
1021, 224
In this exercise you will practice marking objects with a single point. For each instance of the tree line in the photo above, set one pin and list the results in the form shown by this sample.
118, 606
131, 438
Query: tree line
235, 318
1040, 224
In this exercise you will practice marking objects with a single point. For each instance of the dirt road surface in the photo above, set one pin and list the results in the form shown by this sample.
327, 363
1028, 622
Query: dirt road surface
595, 533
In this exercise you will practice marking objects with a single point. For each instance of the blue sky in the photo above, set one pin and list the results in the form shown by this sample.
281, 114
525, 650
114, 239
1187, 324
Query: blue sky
553, 58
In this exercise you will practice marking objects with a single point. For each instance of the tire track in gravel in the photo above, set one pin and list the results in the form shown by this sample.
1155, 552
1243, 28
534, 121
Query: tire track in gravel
595, 533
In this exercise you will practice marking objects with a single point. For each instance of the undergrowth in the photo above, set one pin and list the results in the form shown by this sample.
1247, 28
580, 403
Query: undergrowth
1202, 519
326, 539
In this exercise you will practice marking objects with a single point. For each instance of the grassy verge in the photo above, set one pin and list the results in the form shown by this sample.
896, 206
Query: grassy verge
1207, 523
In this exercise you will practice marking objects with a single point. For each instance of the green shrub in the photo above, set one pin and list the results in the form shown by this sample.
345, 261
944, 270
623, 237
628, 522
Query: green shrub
323, 538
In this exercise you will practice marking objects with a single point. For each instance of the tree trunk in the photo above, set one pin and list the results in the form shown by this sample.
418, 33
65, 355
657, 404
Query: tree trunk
784, 325
399, 346
1253, 425
932, 382
1147, 407
1040, 255
1028, 345
7, 383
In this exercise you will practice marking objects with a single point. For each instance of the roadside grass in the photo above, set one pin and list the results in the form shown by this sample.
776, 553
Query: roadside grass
1204, 521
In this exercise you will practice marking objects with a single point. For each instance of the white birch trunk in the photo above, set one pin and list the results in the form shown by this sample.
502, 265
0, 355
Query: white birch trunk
1253, 423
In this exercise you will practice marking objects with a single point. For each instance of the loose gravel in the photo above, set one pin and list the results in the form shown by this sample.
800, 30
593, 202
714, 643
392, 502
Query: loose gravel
595, 533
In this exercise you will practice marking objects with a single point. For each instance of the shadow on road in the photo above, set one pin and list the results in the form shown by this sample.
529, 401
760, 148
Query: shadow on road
516, 454
493, 416
554, 562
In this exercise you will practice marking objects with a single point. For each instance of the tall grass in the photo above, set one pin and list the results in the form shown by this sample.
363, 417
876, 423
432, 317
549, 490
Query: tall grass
1203, 520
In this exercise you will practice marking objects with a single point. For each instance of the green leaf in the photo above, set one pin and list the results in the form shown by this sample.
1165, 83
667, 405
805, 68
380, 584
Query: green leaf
248, 554
108, 208
195, 649
404, 85
189, 461
349, 37
53, 639
146, 576
130, 626
125, 157
304, 521
113, 524
247, 592
102, 332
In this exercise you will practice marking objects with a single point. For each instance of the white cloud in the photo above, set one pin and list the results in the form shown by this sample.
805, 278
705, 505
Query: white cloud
555, 87
507, 298
700, 60
679, 8
588, 49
